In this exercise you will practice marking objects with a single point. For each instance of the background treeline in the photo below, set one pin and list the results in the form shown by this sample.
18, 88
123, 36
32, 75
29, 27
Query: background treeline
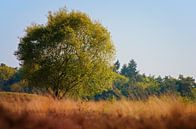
128, 84
135, 86
11, 79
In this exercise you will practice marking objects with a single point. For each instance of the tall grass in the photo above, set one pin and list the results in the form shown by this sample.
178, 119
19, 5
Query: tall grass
23, 111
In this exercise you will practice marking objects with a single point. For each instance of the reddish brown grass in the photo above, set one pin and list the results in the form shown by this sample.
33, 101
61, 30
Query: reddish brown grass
23, 111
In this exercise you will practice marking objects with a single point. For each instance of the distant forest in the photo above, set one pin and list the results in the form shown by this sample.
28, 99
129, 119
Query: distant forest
128, 84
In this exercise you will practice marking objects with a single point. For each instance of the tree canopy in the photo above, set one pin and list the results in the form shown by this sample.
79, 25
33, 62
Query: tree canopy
6, 73
130, 70
70, 54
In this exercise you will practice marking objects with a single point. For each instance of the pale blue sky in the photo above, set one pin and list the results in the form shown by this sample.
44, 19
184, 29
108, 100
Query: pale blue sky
159, 34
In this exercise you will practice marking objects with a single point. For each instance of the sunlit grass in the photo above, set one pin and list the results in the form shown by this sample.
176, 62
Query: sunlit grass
103, 114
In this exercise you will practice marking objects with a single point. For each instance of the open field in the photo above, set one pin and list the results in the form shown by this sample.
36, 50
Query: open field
24, 111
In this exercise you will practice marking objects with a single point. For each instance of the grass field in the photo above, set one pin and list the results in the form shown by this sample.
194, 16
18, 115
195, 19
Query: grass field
25, 111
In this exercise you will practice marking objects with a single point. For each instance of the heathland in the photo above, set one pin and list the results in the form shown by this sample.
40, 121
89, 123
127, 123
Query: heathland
27, 111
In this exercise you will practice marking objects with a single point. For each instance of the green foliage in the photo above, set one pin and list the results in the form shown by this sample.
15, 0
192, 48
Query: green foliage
168, 85
138, 86
130, 71
71, 55
6, 73
11, 78
120, 80
6, 76
185, 86
146, 81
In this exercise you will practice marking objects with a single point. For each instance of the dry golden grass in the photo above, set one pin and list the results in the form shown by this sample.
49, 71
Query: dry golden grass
24, 111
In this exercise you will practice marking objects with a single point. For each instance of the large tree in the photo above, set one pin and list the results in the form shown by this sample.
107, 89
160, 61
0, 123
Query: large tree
70, 54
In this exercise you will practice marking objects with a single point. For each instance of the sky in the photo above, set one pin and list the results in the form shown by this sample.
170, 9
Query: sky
160, 35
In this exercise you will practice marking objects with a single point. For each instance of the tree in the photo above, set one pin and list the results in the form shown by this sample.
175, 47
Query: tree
168, 85
6, 74
185, 86
70, 55
146, 81
130, 71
